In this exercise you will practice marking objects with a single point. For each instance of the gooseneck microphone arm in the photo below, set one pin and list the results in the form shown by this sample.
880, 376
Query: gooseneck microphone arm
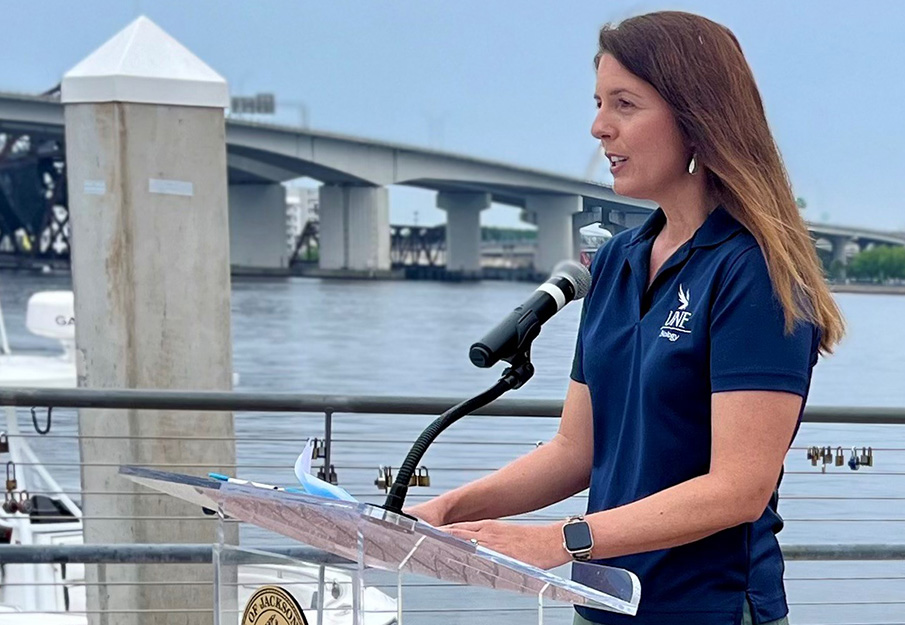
510, 341
512, 378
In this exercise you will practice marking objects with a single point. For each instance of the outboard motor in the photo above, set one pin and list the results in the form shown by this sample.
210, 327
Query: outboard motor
52, 314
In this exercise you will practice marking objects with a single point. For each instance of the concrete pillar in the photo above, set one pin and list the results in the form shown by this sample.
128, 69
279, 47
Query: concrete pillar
554, 228
463, 230
146, 165
354, 230
257, 227
839, 244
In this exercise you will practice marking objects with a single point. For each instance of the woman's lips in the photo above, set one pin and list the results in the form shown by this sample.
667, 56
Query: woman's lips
617, 165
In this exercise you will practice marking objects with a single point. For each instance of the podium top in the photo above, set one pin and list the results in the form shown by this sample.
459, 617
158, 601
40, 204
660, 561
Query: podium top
385, 540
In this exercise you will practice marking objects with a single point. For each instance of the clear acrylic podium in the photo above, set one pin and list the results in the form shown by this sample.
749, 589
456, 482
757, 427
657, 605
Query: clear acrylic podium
373, 537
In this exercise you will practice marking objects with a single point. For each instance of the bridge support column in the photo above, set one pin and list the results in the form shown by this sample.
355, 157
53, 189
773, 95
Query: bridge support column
354, 228
839, 244
257, 227
555, 239
463, 230
146, 165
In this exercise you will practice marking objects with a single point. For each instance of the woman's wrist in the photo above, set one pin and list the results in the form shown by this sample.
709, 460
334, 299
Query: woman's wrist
555, 544
445, 506
433, 511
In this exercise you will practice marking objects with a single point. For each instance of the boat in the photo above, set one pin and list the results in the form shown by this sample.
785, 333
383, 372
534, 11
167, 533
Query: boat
593, 237
54, 594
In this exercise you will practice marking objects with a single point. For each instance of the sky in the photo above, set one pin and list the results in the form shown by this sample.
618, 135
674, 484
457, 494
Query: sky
513, 80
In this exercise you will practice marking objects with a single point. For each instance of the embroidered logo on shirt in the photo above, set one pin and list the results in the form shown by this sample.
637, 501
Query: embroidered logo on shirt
683, 298
677, 319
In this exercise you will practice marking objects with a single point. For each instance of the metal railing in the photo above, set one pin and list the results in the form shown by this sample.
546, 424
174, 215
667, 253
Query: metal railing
485, 455
154, 553
359, 404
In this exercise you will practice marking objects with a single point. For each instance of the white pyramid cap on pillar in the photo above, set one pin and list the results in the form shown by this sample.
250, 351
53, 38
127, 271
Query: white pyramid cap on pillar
143, 64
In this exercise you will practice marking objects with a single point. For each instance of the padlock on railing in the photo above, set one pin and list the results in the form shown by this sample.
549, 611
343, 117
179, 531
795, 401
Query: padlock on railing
384, 478
10, 504
813, 454
11, 482
318, 449
424, 478
25, 503
328, 476
4, 443
854, 463
840, 457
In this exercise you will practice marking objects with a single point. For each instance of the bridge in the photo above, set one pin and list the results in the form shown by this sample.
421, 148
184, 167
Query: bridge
354, 230
354, 227
838, 240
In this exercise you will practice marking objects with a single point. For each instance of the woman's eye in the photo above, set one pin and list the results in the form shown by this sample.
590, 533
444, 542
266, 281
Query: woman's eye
625, 104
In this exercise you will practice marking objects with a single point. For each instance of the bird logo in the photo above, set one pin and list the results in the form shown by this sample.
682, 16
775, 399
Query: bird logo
684, 298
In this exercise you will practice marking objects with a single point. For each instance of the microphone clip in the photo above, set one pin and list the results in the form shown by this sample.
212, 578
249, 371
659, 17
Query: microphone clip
520, 370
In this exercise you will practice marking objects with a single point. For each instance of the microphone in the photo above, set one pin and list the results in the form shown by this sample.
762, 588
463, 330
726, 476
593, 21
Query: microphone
569, 281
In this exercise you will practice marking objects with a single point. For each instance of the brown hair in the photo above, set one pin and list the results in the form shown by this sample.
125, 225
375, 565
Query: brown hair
698, 67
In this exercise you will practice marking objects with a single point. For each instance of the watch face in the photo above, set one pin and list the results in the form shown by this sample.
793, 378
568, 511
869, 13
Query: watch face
577, 535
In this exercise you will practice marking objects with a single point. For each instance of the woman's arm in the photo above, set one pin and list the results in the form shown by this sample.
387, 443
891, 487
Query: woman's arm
751, 433
552, 472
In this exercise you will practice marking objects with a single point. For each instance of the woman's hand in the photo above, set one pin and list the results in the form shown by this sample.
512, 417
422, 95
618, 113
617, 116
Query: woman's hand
538, 545
432, 512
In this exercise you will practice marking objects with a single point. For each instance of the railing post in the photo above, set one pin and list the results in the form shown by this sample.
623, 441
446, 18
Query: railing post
328, 442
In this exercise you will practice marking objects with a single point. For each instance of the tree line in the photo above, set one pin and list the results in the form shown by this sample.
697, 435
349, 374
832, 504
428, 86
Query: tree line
492, 233
878, 264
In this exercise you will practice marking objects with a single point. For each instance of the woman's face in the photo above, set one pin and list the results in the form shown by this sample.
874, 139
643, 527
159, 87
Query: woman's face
635, 124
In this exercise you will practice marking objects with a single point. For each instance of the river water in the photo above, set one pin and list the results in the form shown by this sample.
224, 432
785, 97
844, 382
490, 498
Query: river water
412, 338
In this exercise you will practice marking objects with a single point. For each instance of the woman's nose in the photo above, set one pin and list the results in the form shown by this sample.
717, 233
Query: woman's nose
601, 128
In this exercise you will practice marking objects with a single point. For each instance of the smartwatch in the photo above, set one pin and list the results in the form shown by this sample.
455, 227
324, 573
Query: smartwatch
577, 539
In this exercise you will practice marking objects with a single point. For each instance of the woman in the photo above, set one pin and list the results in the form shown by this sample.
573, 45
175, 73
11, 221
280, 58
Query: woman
695, 349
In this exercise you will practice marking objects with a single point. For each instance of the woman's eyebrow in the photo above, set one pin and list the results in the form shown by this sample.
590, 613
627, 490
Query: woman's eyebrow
621, 90
618, 91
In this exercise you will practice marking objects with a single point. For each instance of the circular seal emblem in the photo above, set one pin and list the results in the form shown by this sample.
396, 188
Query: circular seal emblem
271, 605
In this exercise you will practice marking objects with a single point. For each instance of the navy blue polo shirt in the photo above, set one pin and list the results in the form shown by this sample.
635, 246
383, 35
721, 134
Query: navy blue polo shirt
651, 359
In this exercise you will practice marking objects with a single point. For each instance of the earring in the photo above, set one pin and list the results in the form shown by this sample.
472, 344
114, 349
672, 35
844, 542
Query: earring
692, 165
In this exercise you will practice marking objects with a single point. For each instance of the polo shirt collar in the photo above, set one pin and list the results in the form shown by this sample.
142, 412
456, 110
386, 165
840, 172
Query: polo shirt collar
651, 226
718, 227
